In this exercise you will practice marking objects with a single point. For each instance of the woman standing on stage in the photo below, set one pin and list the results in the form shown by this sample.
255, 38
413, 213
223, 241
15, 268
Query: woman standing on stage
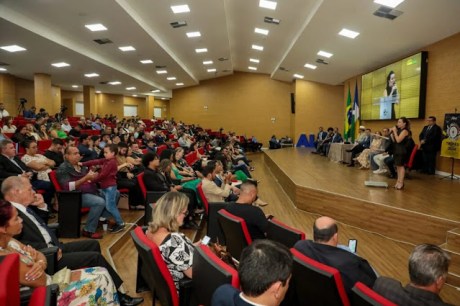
401, 137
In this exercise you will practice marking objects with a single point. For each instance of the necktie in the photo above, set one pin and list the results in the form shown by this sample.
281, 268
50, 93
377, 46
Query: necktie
54, 239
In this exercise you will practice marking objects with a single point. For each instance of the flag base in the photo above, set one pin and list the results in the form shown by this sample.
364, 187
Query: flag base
376, 184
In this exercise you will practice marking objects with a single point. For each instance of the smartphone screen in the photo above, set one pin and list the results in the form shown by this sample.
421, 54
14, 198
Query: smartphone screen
205, 240
353, 245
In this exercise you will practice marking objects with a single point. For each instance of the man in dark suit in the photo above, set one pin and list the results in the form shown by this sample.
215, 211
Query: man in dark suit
324, 250
430, 143
264, 272
428, 268
11, 165
73, 255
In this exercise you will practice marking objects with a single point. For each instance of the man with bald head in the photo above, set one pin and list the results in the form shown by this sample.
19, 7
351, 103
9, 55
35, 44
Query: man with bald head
324, 250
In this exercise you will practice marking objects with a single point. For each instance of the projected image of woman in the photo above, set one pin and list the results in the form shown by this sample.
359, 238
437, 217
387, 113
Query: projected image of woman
391, 90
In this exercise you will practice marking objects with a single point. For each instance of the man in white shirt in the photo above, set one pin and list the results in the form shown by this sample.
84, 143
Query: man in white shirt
66, 127
213, 192
3, 112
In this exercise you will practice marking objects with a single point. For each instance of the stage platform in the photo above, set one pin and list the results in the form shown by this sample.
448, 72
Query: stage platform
424, 212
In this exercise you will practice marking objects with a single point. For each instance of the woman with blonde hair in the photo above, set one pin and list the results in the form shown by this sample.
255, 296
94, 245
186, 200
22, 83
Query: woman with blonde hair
177, 250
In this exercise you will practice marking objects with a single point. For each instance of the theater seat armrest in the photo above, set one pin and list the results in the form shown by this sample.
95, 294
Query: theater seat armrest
55, 228
51, 255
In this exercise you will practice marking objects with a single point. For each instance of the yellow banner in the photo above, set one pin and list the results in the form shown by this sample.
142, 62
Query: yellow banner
450, 148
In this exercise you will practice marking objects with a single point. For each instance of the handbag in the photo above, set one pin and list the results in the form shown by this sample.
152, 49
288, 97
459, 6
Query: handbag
223, 254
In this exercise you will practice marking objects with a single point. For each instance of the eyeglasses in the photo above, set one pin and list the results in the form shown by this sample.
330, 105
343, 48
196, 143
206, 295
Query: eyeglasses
185, 213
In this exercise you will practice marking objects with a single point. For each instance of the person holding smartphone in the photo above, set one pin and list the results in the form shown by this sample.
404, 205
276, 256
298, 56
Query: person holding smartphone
324, 248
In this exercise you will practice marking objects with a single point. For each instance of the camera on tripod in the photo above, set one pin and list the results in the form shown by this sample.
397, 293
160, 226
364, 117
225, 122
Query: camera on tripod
22, 101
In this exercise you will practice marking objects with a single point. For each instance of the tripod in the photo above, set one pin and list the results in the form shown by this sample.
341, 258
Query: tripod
452, 176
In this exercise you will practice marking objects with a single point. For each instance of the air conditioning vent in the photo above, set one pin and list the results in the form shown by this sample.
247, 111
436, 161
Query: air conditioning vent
104, 82
321, 61
160, 66
283, 69
223, 59
272, 20
4, 64
178, 24
103, 41
226, 70
387, 12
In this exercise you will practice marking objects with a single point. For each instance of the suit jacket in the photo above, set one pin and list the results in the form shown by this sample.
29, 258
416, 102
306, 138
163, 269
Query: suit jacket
226, 295
155, 181
8, 168
432, 137
30, 234
351, 267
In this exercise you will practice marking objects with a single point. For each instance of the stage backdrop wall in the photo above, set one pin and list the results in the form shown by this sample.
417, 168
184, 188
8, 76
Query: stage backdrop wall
443, 89
317, 105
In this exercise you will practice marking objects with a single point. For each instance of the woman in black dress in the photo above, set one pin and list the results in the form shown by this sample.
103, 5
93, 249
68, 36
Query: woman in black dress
401, 136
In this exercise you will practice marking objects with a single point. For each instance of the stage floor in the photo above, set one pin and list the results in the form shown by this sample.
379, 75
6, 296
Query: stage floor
425, 211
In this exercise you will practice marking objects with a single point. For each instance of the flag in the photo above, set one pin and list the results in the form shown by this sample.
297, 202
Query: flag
348, 118
355, 123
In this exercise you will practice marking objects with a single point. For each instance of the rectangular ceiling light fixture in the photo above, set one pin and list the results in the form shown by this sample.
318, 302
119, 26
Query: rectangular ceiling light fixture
258, 48
179, 84
254, 60
146, 61
348, 33
271, 5
127, 48
201, 50
310, 66
208, 62
325, 54
252, 68
212, 70
130, 88
170, 78
91, 75
177, 9
298, 76
115, 83
162, 71
96, 27
13, 48
193, 34
261, 31
60, 64
389, 3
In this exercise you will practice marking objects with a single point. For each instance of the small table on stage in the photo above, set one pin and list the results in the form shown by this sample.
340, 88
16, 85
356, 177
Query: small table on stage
338, 152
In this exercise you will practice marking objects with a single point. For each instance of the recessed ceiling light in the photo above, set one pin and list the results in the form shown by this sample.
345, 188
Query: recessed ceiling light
179, 84
91, 75
134, 95
193, 34
74, 86
13, 48
309, 66
325, 54
156, 90
389, 3
201, 50
146, 61
130, 88
177, 9
115, 83
261, 31
254, 60
252, 68
127, 48
257, 47
348, 33
96, 27
2, 69
98, 91
208, 62
170, 78
268, 4
162, 71
60, 65
212, 70
298, 76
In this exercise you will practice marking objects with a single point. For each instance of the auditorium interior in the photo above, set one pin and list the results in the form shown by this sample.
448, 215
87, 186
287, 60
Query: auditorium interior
236, 66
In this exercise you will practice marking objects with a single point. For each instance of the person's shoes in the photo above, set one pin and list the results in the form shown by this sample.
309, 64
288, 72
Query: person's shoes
91, 235
137, 207
117, 228
260, 203
126, 300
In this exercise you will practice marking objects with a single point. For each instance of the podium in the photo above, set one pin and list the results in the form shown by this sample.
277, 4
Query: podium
386, 105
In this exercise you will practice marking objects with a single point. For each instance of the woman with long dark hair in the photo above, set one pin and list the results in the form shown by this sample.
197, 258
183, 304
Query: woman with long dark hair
391, 90
402, 139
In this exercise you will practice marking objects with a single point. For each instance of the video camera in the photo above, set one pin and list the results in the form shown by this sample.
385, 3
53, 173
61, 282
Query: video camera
23, 101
